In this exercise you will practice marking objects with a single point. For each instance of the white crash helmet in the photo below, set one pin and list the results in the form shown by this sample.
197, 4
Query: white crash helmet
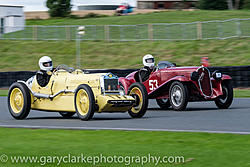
149, 61
45, 63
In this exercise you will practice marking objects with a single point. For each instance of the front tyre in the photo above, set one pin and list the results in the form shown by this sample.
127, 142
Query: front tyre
224, 101
19, 100
139, 92
84, 102
163, 103
178, 95
66, 114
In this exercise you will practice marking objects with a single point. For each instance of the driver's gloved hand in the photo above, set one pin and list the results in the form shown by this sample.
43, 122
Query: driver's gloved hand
49, 72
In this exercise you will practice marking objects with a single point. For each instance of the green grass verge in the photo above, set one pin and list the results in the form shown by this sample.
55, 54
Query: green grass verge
241, 92
157, 17
198, 149
237, 92
3, 92
24, 55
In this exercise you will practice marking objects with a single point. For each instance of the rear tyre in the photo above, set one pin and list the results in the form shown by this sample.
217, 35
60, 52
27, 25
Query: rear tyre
84, 102
19, 100
178, 95
224, 101
67, 114
163, 103
139, 92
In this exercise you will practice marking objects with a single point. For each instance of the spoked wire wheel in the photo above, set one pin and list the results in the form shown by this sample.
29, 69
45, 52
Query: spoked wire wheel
178, 95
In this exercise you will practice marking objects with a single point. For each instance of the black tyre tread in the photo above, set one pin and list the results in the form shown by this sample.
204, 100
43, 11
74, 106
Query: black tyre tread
27, 100
67, 114
163, 105
229, 101
145, 100
91, 100
183, 106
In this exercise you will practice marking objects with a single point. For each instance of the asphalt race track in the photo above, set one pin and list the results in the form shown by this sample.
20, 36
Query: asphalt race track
199, 117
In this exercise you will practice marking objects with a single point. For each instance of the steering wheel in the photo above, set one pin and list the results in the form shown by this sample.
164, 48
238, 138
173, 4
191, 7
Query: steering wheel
64, 67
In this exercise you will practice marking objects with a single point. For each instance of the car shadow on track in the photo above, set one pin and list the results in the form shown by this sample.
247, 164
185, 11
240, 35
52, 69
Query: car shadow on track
190, 109
52, 117
215, 109
76, 118
109, 119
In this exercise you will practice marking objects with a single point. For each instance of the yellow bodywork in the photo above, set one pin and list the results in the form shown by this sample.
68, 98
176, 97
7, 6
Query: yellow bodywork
63, 80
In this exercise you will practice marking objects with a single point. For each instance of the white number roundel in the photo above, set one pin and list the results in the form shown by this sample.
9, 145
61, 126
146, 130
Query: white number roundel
153, 84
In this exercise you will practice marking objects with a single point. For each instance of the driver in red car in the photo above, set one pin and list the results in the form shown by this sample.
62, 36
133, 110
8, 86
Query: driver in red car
149, 63
44, 74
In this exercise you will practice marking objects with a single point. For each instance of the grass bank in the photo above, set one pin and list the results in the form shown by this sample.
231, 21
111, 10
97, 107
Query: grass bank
156, 17
24, 55
198, 149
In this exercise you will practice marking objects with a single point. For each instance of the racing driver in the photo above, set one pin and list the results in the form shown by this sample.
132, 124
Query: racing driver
149, 63
46, 68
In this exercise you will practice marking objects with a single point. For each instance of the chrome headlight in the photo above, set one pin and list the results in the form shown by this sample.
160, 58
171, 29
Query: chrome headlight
217, 75
195, 76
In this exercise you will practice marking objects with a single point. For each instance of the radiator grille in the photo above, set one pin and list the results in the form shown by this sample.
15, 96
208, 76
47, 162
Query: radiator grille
205, 81
111, 84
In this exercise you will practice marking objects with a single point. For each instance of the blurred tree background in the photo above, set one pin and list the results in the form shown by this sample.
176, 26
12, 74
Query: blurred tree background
246, 4
59, 8
224, 4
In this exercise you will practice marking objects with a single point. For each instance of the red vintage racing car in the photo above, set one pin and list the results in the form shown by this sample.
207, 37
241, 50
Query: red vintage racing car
176, 86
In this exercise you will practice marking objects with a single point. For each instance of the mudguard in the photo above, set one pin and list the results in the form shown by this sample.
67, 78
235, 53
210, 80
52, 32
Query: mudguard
125, 83
225, 77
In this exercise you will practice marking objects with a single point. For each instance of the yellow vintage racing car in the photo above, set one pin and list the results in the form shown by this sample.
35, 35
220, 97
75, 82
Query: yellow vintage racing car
72, 91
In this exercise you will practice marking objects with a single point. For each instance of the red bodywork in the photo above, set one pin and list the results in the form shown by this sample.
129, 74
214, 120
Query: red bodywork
160, 81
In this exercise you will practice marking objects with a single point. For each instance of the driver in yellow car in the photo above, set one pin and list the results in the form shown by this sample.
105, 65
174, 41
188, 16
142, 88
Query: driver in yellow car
46, 68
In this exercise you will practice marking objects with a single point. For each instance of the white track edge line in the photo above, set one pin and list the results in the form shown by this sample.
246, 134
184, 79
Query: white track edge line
121, 129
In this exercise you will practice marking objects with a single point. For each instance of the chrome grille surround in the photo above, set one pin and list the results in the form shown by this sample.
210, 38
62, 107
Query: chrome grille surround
204, 82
